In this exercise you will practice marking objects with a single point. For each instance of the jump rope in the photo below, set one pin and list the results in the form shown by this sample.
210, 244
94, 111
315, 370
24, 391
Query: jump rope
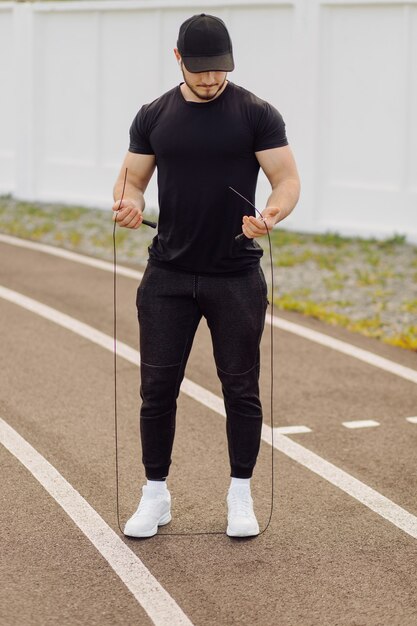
237, 238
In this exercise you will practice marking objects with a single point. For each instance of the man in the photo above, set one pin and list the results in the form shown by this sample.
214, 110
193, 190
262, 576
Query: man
204, 136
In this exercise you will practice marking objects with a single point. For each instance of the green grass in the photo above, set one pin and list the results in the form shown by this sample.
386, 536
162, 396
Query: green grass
369, 326
410, 306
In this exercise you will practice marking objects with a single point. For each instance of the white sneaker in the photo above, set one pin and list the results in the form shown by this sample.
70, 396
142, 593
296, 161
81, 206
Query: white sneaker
241, 518
154, 510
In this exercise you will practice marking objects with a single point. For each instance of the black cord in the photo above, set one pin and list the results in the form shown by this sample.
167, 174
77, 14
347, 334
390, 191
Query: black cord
115, 357
208, 532
239, 237
271, 406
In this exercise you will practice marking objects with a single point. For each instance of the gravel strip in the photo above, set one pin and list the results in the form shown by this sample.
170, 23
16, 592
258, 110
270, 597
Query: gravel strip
367, 286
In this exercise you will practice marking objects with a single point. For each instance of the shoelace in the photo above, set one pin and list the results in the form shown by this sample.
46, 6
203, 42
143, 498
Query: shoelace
146, 505
240, 503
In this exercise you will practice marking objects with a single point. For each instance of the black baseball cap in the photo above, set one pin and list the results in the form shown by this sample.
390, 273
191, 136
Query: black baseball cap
205, 45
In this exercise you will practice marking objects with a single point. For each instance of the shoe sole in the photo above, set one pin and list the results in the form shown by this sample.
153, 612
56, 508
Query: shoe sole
165, 519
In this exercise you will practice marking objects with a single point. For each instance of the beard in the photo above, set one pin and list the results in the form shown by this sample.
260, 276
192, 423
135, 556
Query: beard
196, 93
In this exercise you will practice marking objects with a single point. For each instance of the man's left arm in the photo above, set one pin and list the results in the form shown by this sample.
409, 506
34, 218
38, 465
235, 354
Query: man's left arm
280, 168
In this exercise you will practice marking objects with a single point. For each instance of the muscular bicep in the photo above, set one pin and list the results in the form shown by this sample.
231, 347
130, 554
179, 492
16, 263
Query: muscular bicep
140, 168
278, 164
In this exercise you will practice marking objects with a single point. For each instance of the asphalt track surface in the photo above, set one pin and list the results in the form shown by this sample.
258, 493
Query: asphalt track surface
341, 548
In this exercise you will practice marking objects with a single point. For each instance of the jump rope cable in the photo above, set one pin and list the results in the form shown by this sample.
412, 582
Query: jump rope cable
179, 534
115, 357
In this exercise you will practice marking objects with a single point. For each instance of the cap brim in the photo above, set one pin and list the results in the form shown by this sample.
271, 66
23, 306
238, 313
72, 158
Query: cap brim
222, 63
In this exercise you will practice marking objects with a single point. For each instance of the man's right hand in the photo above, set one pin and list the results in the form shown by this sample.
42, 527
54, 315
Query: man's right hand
127, 213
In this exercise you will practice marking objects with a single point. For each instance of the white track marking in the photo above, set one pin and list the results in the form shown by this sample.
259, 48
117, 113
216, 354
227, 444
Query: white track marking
70, 256
296, 329
70, 323
345, 348
341, 479
366, 495
360, 424
292, 430
157, 603
412, 420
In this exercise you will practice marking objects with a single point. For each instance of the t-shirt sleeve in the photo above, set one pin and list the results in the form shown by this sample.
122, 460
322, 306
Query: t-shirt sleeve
270, 130
139, 135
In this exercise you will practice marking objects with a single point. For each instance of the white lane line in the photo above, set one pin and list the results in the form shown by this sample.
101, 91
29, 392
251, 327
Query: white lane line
296, 329
70, 256
366, 495
345, 348
292, 430
155, 600
360, 424
412, 420
70, 323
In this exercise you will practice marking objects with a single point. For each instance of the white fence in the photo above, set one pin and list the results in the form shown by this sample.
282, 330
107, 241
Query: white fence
342, 73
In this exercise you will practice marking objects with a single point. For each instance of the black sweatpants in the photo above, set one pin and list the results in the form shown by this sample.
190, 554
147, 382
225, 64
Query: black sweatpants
170, 305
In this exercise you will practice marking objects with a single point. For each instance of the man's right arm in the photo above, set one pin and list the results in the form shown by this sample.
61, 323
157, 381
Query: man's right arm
140, 168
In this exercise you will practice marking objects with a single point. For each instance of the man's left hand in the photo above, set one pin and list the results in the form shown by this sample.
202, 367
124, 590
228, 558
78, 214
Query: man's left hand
256, 227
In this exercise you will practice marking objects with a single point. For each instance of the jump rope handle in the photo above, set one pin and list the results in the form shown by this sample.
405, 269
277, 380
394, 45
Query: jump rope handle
148, 223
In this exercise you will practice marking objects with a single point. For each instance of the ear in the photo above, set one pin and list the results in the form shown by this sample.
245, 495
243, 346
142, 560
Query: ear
177, 55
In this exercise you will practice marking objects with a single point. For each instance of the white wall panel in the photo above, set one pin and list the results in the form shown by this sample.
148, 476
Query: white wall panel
364, 93
263, 54
411, 130
129, 61
342, 72
67, 86
65, 99
7, 117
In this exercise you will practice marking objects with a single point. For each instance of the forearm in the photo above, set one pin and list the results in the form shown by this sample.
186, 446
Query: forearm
131, 192
283, 199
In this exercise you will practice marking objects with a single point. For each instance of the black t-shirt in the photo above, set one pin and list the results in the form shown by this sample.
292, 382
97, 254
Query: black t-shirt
201, 149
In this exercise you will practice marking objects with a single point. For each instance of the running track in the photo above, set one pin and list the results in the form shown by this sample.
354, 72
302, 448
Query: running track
341, 548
